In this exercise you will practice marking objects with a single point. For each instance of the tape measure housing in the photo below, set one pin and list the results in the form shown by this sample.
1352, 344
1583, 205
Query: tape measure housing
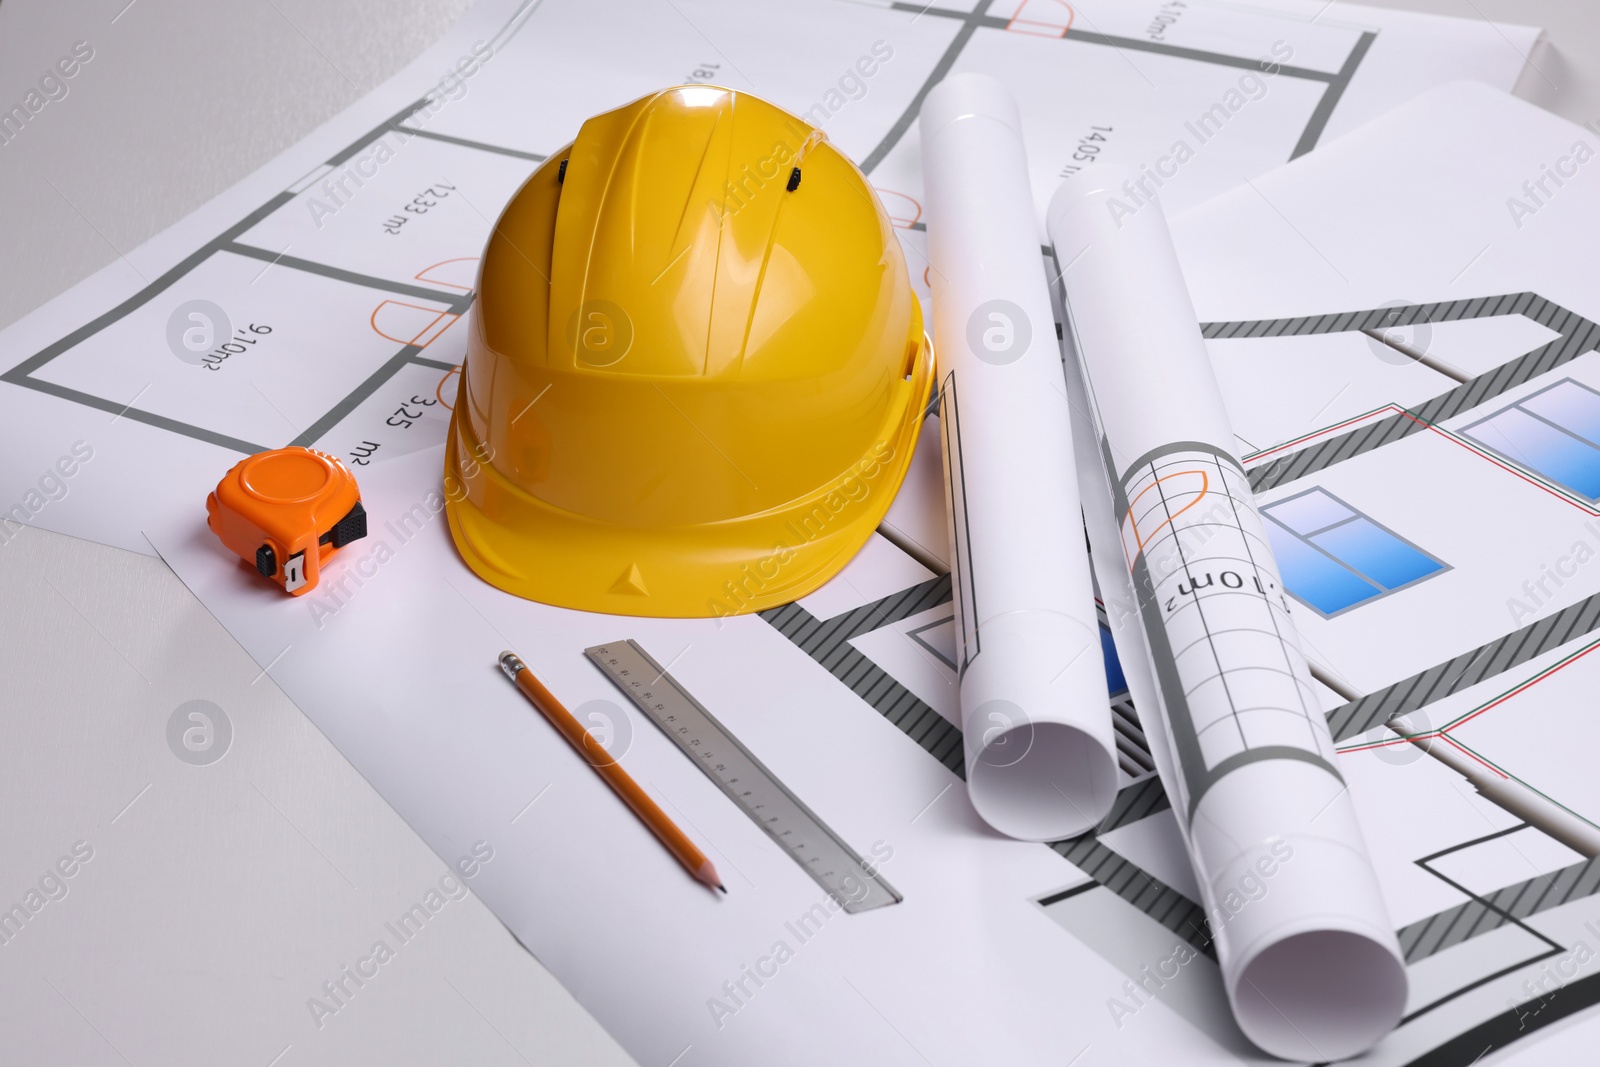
286, 511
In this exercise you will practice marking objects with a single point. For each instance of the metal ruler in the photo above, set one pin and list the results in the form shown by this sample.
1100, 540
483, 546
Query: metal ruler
747, 782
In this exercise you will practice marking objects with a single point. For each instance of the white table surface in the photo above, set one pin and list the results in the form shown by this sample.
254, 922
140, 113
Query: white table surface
221, 897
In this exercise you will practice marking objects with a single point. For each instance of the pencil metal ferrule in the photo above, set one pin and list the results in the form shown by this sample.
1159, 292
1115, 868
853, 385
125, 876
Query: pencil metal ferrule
512, 665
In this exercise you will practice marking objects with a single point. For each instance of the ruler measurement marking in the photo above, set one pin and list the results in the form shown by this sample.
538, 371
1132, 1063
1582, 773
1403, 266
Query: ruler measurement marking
745, 780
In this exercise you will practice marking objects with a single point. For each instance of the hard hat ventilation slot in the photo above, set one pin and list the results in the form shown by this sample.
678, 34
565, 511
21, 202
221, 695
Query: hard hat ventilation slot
794, 180
561, 173
910, 368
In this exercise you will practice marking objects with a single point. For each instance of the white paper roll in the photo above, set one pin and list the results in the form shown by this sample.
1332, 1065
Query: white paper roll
1307, 951
1040, 749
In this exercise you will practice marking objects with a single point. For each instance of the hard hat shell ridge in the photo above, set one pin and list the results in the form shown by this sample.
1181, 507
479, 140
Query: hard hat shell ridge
696, 368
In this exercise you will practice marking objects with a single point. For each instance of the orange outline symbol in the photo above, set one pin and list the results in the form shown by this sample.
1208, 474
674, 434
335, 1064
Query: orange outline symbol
431, 327
438, 390
1142, 541
1046, 28
891, 201
426, 274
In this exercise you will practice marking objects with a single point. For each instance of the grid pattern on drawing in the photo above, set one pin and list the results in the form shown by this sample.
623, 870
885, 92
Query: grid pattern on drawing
1244, 680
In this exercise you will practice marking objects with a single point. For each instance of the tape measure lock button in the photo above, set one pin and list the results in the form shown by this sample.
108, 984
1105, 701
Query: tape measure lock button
353, 527
286, 511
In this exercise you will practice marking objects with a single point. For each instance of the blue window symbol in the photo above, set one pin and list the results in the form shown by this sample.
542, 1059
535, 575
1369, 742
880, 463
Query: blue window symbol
1116, 680
1554, 432
1333, 558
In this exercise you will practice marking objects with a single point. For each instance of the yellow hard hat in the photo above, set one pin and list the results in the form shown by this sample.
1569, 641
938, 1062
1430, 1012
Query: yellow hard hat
695, 369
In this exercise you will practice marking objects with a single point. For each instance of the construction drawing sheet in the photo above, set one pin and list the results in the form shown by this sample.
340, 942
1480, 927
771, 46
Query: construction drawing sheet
362, 240
320, 302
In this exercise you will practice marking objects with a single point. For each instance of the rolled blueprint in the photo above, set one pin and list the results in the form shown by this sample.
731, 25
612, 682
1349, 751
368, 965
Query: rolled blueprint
1307, 952
1040, 749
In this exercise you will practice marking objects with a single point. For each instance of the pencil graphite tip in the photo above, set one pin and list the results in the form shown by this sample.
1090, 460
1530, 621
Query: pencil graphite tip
707, 876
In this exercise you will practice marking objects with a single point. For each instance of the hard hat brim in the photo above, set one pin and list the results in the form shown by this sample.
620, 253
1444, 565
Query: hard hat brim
540, 552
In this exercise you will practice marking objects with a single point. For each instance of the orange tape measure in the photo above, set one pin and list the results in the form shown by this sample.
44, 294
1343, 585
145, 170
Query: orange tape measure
286, 511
